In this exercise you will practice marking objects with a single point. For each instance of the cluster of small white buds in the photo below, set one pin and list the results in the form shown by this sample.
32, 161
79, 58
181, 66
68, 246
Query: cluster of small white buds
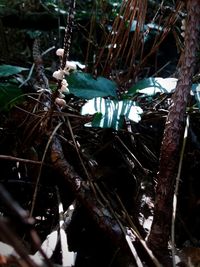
64, 86
64, 89
70, 65
59, 75
183, 25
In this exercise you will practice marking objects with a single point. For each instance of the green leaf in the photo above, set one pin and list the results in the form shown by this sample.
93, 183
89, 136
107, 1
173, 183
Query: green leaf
9, 95
111, 113
9, 70
151, 86
196, 92
83, 85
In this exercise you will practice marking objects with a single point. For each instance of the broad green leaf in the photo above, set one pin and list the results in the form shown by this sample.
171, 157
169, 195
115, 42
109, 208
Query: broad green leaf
83, 85
9, 95
9, 70
151, 86
111, 113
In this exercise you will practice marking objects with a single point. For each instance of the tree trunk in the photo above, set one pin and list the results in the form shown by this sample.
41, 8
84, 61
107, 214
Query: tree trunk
173, 135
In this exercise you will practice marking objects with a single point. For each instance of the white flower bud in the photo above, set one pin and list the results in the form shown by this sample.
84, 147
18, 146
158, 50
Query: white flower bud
64, 82
183, 28
183, 22
64, 86
61, 95
60, 102
64, 89
59, 74
70, 65
60, 52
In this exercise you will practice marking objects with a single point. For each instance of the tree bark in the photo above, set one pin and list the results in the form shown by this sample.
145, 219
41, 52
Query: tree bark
173, 134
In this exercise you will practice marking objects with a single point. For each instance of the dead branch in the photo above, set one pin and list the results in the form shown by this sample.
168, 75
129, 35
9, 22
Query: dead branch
100, 213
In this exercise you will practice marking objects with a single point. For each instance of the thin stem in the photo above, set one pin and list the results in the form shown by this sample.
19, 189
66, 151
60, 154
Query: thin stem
176, 192
40, 170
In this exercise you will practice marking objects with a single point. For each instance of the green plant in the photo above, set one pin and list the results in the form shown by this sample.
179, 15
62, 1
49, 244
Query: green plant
10, 91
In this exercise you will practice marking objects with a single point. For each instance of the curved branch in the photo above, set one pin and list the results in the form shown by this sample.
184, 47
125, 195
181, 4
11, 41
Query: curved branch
101, 215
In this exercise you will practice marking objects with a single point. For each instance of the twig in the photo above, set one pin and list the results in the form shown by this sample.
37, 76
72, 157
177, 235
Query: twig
5, 157
41, 165
67, 256
8, 236
131, 154
84, 194
134, 252
137, 234
27, 221
29, 75
33, 66
80, 158
176, 192
15, 207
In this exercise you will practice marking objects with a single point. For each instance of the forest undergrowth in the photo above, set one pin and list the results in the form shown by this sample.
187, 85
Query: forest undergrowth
83, 115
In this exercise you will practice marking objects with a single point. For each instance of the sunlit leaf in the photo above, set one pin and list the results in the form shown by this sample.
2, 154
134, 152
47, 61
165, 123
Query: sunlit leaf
151, 86
83, 85
111, 113
9, 70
